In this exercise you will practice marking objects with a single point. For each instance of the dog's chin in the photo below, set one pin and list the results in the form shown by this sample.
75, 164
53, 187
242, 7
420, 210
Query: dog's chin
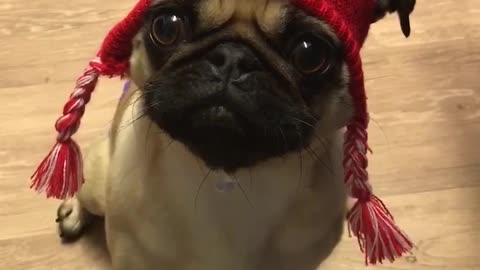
220, 137
226, 140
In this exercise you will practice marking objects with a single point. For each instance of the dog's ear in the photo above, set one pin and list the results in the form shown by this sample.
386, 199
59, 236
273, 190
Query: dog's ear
402, 7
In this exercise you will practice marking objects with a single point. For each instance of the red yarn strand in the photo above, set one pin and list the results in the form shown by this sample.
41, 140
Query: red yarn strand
379, 238
369, 220
60, 174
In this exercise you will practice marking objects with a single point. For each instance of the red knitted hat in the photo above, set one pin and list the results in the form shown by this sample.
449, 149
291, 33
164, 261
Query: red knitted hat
60, 174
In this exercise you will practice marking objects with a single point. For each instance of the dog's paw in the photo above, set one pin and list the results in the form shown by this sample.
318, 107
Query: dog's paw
72, 219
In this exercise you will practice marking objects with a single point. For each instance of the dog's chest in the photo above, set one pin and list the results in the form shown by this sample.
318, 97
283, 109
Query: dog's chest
220, 219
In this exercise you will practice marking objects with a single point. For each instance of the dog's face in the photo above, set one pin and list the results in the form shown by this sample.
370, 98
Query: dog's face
239, 82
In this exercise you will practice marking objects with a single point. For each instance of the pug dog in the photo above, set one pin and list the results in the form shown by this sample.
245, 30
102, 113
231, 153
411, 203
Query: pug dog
226, 150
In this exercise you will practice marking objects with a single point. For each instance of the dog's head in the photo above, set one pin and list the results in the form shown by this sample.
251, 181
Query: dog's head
239, 82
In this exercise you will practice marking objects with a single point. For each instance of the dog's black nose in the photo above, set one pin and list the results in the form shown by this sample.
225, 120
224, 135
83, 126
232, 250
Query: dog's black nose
233, 60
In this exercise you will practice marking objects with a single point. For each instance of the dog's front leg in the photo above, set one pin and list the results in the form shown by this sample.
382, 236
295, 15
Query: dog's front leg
74, 214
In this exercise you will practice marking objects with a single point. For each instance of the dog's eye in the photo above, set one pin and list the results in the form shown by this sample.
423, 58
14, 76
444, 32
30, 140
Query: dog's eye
312, 54
168, 29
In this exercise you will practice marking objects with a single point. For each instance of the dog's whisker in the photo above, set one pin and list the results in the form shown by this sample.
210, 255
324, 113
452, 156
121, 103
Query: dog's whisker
318, 158
242, 190
325, 148
251, 178
199, 163
277, 137
285, 146
169, 144
384, 134
134, 105
300, 157
311, 115
303, 122
123, 127
147, 135
316, 136
200, 188
116, 101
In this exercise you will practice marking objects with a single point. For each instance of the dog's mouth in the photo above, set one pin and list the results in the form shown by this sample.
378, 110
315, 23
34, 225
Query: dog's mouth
219, 134
217, 118
219, 114
230, 136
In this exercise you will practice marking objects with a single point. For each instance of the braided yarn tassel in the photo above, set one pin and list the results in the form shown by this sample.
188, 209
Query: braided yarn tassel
369, 219
60, 174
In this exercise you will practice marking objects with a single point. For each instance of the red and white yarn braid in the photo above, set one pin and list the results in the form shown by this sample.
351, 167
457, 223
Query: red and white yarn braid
61, 173
369, 219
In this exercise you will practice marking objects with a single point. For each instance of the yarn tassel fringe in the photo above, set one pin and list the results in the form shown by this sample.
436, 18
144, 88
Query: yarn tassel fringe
60, 173
379, 238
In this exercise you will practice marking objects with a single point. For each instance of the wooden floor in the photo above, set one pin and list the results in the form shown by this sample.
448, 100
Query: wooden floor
424, 98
